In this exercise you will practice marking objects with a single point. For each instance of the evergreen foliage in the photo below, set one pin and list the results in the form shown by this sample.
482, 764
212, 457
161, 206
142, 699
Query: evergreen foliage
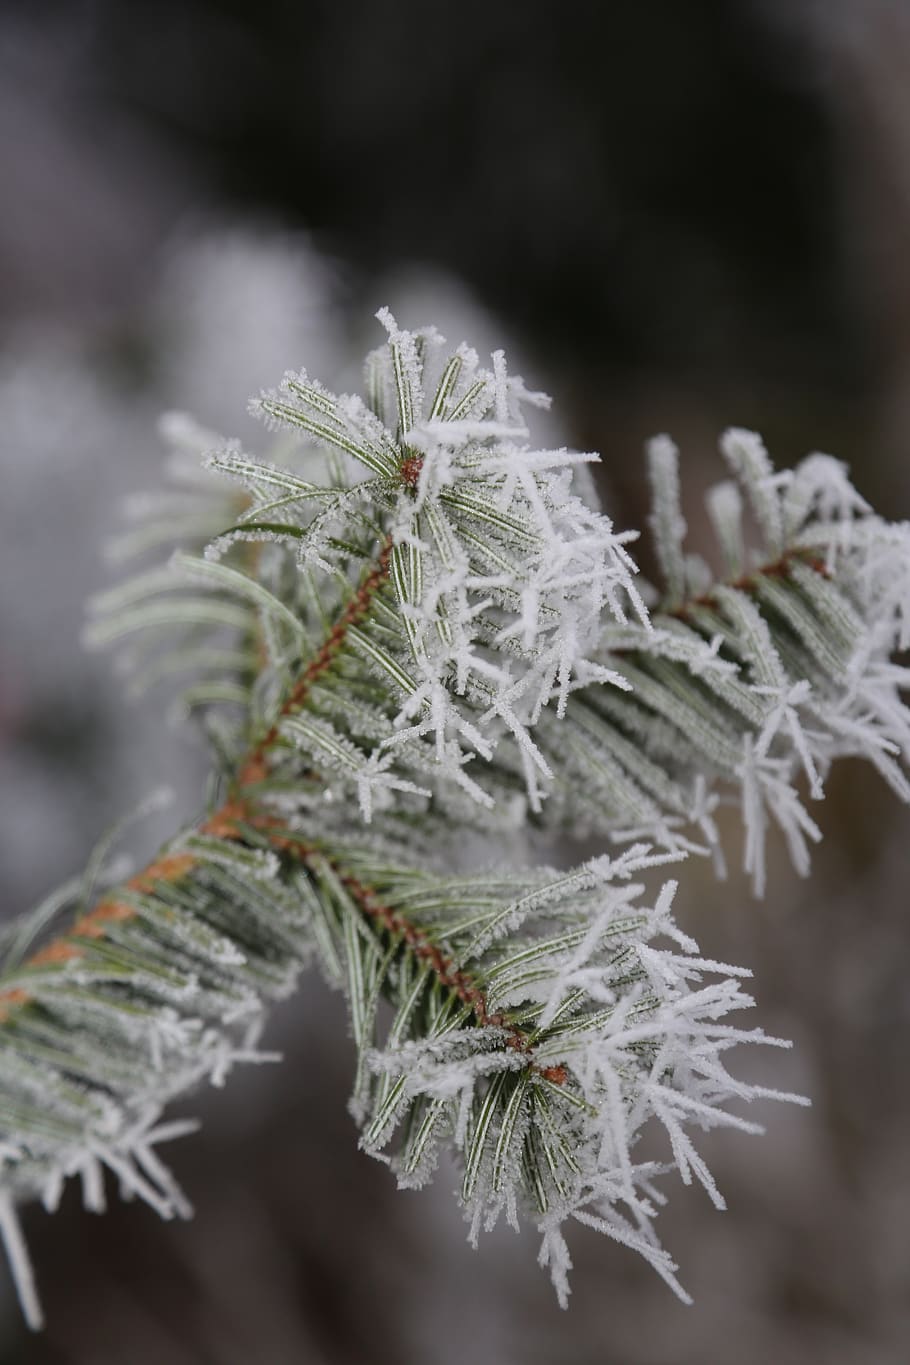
405, 628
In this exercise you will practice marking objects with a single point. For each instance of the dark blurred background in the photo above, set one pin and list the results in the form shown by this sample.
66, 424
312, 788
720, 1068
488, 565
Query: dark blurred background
679, 216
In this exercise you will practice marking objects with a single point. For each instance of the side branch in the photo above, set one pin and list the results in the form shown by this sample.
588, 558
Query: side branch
173, 868
238, 816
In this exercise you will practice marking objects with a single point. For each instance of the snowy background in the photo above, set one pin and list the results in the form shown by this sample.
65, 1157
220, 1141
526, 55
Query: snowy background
674, 218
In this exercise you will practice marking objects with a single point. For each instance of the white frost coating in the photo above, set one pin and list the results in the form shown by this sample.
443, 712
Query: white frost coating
753, 687
785, 701
20, 1263
746, 454
667, 524
504, 574
629, 1034
725, 509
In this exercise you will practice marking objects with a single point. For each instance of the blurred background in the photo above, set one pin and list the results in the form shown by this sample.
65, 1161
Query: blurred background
676, 217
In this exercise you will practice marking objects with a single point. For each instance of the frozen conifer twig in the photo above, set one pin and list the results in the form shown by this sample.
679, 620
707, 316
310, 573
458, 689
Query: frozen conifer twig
416, 631
747, 688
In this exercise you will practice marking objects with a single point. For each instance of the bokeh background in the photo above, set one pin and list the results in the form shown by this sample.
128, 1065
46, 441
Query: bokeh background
677, 216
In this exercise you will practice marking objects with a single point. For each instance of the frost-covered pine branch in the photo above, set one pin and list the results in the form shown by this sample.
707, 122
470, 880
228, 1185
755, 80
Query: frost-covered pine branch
744, 688
403, 626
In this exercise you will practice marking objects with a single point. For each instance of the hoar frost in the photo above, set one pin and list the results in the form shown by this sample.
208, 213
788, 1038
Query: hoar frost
408, 627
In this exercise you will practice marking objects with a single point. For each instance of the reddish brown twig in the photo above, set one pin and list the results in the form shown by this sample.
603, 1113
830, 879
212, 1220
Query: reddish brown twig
778, 568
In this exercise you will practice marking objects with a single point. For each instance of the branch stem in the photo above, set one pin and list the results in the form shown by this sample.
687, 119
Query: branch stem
223, 822
748, 582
